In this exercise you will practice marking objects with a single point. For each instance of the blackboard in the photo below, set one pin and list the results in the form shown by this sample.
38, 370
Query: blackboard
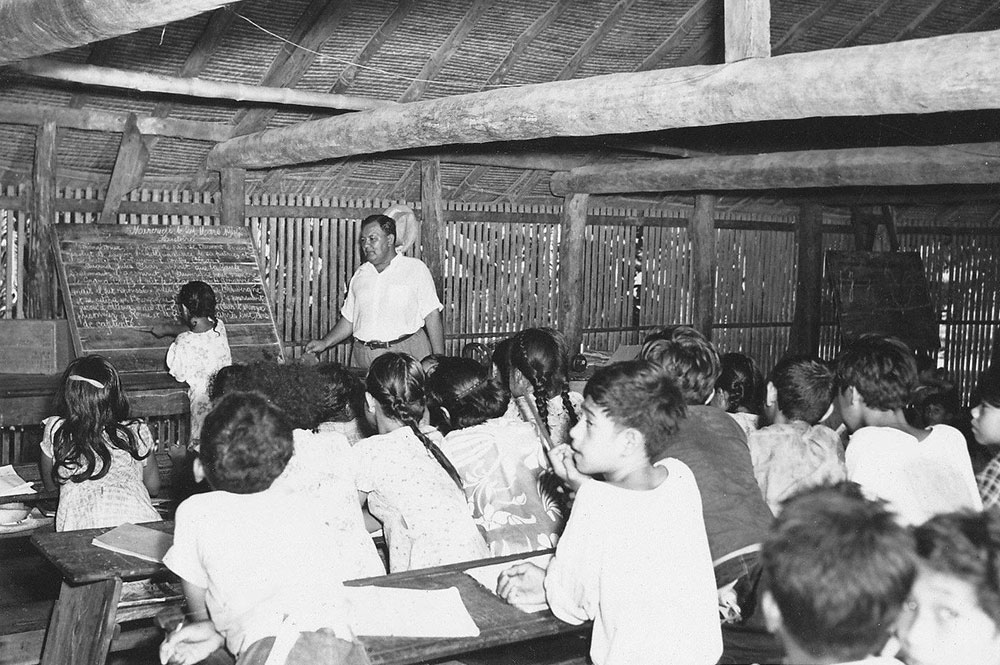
884, 293
120, 279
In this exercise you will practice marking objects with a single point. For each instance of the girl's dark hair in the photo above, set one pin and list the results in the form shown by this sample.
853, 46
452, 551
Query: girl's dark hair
245, 443
465, 388
230, 378
343, 393
988, 388
396, 381
297, 390
742, 382
95, 413
199, 299
541, 355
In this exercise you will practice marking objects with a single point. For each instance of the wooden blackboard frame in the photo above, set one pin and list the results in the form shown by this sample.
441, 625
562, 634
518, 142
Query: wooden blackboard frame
120, 279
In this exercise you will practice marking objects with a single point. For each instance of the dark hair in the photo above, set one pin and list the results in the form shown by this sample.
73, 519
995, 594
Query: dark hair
297, 390
343, 393
199, 299
966, 546
541, 355
94, 416
396, 381
639, 395
228, 379
386, 223
988, 388
805, 388
882, 370
687, 356
245, 443
501, 359
839, 568
742, 382
466, 389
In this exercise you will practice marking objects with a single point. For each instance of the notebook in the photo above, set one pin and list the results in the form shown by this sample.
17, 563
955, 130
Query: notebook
138, 541
12, 484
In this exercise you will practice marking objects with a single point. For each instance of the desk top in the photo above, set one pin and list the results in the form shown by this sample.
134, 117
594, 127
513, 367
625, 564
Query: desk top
499, 623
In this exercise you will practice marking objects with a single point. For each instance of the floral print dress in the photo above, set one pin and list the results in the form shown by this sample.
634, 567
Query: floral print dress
194, 358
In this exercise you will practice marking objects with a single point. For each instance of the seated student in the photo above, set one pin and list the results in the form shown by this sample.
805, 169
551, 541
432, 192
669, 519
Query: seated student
739, 390
795, 452
714, 447
499, 460
837, 568
953, 612
919, 472
239, 549
634, 557
986, 429
343, 400
409, 484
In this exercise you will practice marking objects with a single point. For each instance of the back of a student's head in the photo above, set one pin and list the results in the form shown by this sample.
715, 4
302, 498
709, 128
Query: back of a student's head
882, 369
462, 394
638, 394
245, 444
343, 393
686, 356
837, 568
953, 614
803, 388
740, 386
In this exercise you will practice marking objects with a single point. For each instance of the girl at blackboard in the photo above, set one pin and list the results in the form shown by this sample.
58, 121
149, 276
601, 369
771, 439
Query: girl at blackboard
201, 351
100, 460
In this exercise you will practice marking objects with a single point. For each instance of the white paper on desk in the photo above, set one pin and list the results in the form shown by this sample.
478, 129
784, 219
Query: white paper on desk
390, 612
11, 483
487, 576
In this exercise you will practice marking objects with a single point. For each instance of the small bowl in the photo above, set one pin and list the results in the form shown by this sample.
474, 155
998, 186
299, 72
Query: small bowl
11, 513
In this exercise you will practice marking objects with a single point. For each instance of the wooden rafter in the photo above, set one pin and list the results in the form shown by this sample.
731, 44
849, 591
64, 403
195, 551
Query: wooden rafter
702, 10
474, 175
594, 40
99, 56
537, 27
130, 165
802, 26
860, 28
30, 28
372, 46
914, 25
976, 22
707, 49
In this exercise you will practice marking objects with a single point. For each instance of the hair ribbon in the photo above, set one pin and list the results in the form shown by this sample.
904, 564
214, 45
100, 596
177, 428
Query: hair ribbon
76, 377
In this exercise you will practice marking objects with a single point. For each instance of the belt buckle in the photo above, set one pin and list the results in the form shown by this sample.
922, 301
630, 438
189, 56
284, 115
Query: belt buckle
377, 345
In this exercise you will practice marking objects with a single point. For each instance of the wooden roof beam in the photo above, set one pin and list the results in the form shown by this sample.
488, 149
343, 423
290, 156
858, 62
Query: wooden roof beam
30, 28
190, 87
950, 73
537, 27
699, 12
803, 26
974, 163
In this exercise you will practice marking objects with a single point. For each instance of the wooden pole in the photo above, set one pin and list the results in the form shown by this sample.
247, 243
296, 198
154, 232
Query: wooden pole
748, 29
950, 73
701, 231
233, 183
432, 221
969, 163
36, 27
571, 278
130, 165
41, 287
189, 87
804, 336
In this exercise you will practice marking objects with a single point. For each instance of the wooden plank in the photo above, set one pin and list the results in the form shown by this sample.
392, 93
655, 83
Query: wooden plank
36, 27
802, 26
701, 229
748, 29
695, 15
130, 165
233, 207
571, 278
589, 45
949, 73
40, 287
537, 27
969, 163
82, 610
432, 221
804, 336
379, 37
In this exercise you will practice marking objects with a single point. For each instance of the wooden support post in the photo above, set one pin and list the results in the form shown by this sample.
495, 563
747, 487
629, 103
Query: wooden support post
804, 336
84, 612
432, 221
571, 280
130, 165
233, 183
701, 231
41, 287
748, 29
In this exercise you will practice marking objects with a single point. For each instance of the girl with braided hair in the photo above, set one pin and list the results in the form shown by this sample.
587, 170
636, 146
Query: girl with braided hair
408, 483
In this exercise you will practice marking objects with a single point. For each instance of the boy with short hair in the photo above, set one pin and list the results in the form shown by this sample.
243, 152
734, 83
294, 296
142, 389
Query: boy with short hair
837, 568
634, 556
796, 452
919, 472
953, 612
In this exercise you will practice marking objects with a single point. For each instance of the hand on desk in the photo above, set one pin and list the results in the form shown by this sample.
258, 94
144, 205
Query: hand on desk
191, 643
522, 584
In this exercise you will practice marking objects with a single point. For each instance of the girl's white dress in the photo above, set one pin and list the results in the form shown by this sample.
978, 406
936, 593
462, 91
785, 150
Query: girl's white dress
423, 512
117, 498
195, 358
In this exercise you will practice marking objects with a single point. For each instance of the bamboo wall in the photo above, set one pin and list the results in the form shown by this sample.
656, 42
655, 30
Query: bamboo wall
501, 264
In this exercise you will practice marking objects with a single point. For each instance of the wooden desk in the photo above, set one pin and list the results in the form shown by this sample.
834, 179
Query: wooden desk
83, 620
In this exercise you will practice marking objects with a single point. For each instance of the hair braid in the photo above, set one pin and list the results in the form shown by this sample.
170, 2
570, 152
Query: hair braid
568, 404
435, 452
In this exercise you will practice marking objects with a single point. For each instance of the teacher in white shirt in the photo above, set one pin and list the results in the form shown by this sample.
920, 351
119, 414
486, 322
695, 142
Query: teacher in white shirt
391, 302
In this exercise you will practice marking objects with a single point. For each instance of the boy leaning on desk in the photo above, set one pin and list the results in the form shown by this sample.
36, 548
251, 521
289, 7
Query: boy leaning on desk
634, 556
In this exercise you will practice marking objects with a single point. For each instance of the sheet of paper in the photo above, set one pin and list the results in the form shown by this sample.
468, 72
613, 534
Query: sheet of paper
388, 612
487, 576
11, 483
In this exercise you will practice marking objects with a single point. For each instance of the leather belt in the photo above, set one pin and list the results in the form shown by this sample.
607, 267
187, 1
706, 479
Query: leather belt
375, 344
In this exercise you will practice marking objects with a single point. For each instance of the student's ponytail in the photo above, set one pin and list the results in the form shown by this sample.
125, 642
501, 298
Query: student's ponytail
568, 405
436, 453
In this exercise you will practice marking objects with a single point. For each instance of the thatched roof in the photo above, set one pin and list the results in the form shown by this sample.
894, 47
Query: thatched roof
409, 51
